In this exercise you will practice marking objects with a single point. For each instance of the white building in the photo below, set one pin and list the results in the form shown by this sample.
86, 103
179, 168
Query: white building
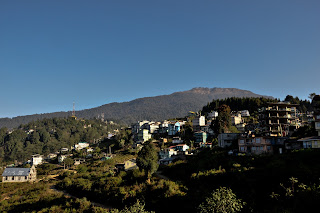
212, 115
144, 135
37, 159
245, 113
167, 152
236, 119
199, 121
80, 145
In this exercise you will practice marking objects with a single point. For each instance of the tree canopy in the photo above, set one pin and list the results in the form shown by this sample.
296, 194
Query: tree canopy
222, 200
147, 159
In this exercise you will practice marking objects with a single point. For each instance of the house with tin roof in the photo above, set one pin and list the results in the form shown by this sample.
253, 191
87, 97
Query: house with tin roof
19, 174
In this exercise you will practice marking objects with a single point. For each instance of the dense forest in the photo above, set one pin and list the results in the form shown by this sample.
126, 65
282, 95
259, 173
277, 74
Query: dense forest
253, 104
49, 135
161, 107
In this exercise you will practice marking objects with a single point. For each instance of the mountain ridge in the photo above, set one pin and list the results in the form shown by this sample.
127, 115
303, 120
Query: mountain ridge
161, 107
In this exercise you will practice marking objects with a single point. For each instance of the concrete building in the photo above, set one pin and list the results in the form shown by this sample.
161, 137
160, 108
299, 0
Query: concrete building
127, 165
182, 147
168, 152
174, 128
81, 145
198, 122
236, 119
255, 145
200, 137
245, 113
316, 114
144, 135
279, 119
213, 115
310, 142
37, 159
227, 139
19, 174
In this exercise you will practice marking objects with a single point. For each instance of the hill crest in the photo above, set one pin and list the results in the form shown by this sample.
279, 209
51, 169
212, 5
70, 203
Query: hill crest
161, 107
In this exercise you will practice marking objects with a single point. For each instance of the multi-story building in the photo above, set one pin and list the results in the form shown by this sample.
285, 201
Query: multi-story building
279, 119
144, 135
198, 122
236, 119
255, 145
316, 114
212, 115
227, 139
174, 128
200, 137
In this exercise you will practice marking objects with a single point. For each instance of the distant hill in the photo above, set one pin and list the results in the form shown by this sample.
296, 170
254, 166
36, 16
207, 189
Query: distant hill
162, 107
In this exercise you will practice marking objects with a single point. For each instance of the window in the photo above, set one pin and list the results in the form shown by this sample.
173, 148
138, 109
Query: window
307, 145
268, 147
261, 148
12, 177
19, 178
318, 124
26, 177
242, 148
258, 140
253, 148
6, 177
241, 141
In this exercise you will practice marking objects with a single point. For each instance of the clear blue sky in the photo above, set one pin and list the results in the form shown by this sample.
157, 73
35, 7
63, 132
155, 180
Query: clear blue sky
54, 53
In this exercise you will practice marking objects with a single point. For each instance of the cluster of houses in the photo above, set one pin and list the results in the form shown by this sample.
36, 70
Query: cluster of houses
269, 134
16, 174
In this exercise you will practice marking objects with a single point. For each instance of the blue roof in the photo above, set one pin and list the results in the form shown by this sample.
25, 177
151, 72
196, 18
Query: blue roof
16, 172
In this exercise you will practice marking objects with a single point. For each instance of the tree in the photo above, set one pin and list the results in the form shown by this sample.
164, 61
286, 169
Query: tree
221, 200
311, 95
138, 207
223, 121
148, 159
68, 162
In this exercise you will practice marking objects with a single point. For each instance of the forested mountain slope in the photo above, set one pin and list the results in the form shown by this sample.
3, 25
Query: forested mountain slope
162, 107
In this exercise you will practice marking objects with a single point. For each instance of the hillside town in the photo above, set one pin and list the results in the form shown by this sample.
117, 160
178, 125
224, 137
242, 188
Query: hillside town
205, 144
272, 132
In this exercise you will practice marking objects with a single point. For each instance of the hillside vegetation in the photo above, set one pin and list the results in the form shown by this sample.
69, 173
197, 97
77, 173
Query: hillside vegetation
49, 135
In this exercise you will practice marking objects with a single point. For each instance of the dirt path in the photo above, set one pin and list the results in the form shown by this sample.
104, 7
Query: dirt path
160, 175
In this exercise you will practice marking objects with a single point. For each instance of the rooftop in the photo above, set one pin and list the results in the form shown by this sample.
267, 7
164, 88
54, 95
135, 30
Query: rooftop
16, 172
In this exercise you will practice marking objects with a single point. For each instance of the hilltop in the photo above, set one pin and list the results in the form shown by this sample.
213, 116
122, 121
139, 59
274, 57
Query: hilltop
161, 107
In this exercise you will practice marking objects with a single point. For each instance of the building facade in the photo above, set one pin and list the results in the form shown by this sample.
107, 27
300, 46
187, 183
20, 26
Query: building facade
19, 174
279, 119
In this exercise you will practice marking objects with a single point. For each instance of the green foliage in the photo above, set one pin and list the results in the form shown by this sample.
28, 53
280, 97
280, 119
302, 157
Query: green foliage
222, 200
148, 159
82, 168
223, 121
296, 197
48, 136
38, 197
208, 173
237, 104
138, 207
